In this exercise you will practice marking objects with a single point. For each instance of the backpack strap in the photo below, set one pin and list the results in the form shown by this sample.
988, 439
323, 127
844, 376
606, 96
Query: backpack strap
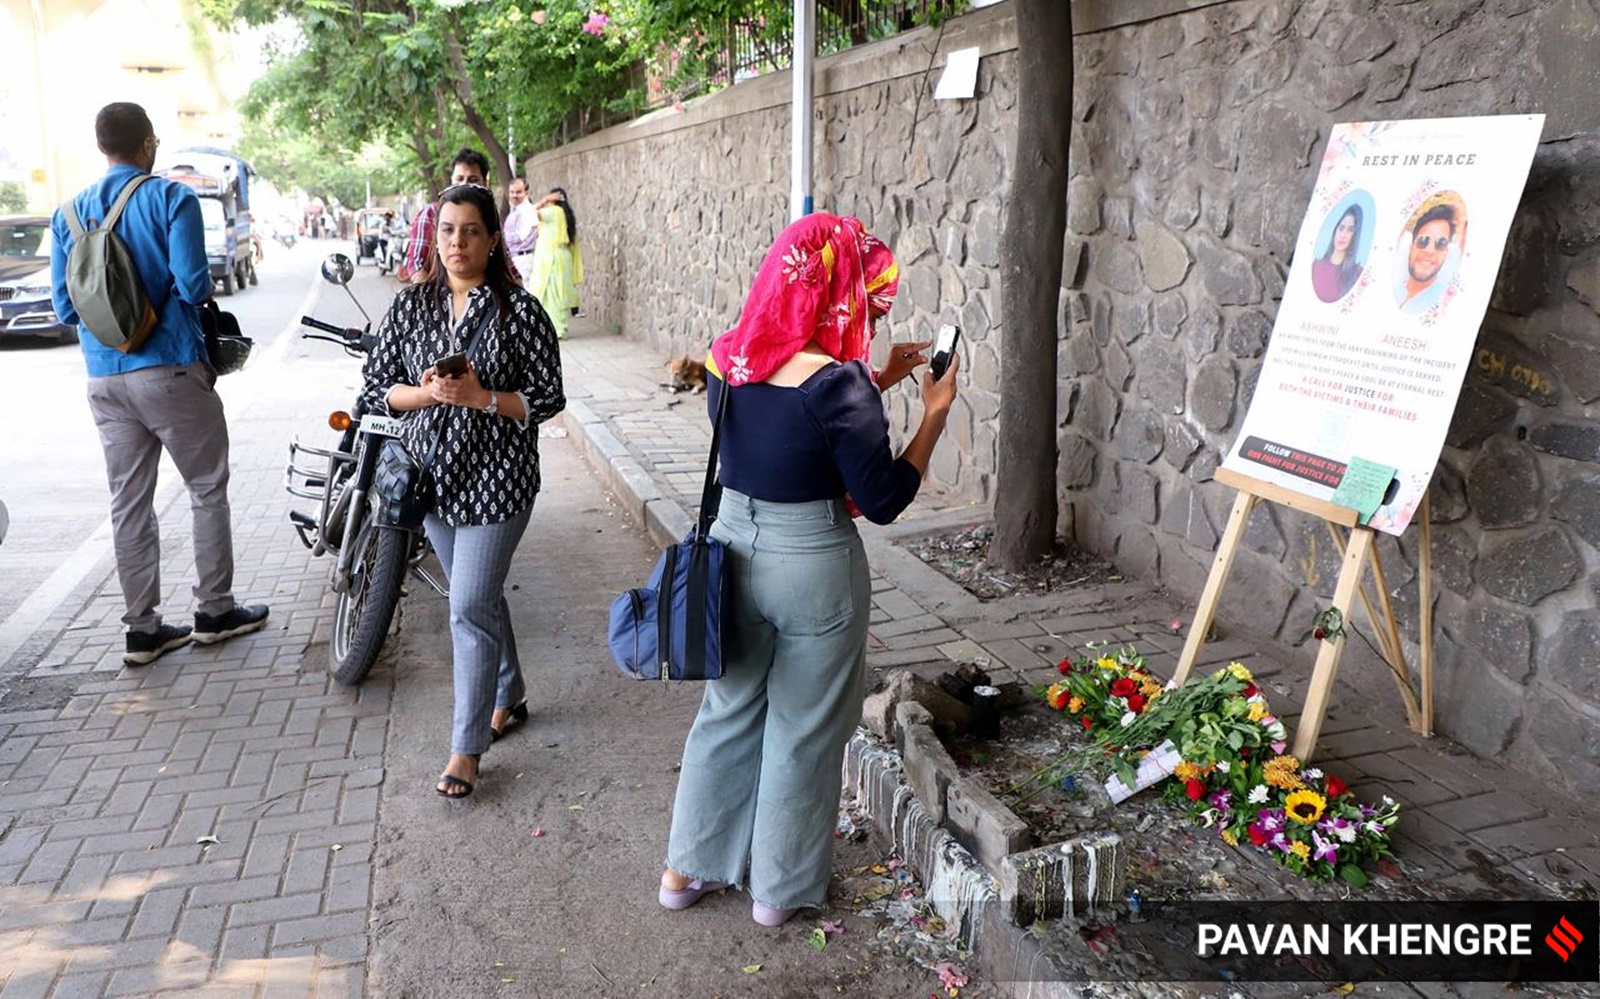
69, 208
122, 200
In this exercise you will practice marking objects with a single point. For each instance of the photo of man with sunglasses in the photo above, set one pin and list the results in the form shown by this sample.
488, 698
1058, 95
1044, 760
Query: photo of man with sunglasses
1430, 263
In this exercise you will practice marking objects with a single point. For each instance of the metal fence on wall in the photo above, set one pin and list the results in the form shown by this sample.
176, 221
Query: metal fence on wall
751, 47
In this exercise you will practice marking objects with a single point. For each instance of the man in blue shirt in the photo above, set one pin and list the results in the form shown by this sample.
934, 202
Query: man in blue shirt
160, 396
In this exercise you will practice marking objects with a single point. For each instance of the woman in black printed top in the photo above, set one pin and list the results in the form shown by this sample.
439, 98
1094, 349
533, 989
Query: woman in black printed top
486, 467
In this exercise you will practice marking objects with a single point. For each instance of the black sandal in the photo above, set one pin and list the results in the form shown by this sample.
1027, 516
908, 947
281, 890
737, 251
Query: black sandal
452, 781
516, 714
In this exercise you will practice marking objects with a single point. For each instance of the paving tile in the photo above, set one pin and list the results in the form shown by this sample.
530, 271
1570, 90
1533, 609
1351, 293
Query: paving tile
1485, 810
274, 910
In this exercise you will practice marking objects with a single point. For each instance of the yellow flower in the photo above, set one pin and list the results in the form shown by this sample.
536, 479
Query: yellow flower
1283, 772
1238, 672
1075, 705
1106, 662
1187, 771
1299, 849
1228, 837
1056, 696
1305, 806
1151, 689
1258, 710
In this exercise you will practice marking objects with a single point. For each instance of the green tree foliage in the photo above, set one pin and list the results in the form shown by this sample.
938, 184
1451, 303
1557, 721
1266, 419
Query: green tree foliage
13, 197
510, 77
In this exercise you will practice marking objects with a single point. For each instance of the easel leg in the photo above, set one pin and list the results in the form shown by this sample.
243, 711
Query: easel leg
1206, 612
1425, 587
1310, 727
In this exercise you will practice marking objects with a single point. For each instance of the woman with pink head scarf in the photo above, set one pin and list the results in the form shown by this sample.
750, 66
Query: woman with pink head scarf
804, 427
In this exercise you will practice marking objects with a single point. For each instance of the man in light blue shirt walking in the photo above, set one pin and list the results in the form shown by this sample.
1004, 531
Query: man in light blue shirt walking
161, 396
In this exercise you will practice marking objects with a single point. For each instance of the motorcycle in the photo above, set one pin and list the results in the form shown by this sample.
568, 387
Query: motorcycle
392, 251
371, 561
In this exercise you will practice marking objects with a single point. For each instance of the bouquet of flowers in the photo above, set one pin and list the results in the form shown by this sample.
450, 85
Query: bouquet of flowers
1234, 775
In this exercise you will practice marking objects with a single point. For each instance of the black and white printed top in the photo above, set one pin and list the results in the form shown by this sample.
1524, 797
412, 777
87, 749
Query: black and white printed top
486, 470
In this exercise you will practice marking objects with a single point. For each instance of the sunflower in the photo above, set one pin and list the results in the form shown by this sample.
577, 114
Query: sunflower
1283, 772
1305, 806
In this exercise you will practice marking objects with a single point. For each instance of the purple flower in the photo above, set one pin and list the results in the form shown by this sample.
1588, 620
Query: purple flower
1367, 811
1280, 841
1271, 819
1221, 801
1325, 849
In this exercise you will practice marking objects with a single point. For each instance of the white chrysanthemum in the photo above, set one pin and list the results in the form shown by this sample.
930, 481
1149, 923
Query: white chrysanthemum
1128, 718
1223, 766
1258, 795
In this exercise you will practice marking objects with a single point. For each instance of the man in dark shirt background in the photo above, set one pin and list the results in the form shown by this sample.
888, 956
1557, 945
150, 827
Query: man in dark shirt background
160, 396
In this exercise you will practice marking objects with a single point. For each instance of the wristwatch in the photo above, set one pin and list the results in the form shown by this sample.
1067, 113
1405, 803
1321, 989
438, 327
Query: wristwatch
494, 404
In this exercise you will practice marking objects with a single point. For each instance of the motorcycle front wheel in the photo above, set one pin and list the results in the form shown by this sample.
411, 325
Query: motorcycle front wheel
365, 608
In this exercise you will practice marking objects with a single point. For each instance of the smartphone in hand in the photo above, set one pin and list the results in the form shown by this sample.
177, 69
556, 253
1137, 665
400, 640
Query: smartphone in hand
451, 366
944, 348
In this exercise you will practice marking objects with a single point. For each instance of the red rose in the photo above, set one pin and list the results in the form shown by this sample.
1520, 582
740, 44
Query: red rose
1136, 703
1086, 722
1250, 690
1195, 789
1122, 687
1336, 787
1064, 667
1244, 752
1258, 836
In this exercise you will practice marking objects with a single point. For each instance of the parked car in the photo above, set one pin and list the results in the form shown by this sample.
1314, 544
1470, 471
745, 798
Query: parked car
25, 305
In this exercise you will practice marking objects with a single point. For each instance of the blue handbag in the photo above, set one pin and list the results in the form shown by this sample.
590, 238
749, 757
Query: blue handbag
672, 628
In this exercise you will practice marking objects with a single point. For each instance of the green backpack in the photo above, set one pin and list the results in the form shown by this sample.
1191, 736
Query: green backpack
103, 282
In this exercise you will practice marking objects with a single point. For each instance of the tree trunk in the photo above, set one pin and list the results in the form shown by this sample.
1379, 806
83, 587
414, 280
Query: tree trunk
499, 159
1030, 277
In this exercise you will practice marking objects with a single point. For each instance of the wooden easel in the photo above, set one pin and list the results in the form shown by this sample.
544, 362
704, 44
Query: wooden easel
1360, 547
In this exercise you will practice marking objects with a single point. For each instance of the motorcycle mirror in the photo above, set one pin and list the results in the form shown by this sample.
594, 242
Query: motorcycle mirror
338, 269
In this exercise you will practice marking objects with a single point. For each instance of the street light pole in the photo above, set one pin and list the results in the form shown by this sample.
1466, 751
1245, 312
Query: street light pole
803, 67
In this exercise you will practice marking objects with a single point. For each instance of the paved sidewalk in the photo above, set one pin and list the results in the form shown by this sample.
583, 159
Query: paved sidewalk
1468, 825
105, 885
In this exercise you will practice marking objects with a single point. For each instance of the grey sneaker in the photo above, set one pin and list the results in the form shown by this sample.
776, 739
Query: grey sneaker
145, 647
210, 629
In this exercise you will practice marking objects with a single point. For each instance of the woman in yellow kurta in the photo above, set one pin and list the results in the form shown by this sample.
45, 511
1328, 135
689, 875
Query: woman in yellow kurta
557, 262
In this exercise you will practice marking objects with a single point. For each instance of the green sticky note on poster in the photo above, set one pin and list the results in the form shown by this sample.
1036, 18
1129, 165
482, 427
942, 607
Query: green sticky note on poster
1363, 486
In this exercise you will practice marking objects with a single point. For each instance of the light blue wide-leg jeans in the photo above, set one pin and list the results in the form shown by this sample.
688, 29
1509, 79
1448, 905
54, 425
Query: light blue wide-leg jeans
475, 559
762, 765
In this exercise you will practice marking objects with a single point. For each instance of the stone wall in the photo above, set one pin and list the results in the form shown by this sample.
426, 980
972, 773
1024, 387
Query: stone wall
1198, 127
1195, 150
676, 211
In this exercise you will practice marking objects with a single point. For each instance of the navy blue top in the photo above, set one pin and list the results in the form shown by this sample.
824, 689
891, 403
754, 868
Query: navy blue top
166, 238
818, 440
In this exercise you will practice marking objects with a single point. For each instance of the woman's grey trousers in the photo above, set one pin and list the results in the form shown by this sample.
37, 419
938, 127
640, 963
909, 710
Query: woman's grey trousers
761, 775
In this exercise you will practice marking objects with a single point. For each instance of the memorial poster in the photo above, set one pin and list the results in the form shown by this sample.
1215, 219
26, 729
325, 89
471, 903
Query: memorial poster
1392, 272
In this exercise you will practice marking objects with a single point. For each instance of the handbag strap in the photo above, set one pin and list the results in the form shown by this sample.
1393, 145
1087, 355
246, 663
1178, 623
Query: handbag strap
709, 494
466, 348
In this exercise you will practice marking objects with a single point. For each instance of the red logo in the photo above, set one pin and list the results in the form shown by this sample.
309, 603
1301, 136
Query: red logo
1564, 939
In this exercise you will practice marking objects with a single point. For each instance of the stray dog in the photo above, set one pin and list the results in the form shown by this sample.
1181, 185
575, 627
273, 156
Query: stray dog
687, 374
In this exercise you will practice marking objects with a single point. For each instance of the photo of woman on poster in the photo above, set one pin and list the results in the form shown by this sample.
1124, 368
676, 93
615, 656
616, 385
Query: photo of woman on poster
1429, 254
1344, 242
